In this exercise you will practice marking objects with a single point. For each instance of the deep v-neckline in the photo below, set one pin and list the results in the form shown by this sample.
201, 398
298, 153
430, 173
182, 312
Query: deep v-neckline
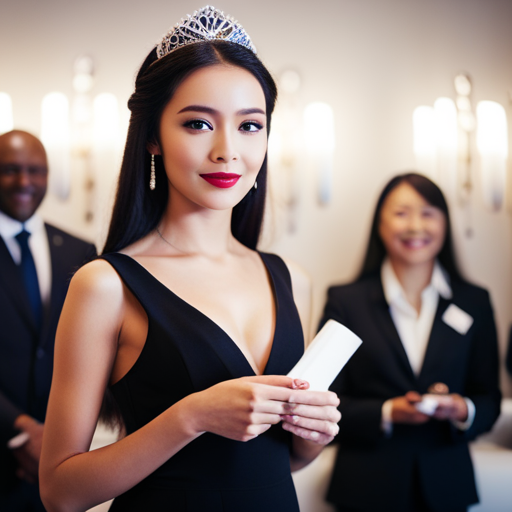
230, 342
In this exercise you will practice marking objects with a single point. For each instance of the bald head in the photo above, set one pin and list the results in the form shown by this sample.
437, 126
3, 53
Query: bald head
23, 174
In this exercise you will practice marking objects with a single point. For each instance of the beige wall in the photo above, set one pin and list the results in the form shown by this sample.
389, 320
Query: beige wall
374, 61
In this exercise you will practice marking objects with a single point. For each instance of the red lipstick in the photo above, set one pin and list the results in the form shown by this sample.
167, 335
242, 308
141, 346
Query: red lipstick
221, 179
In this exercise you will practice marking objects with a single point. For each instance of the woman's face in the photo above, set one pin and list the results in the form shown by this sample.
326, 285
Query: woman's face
412, 230
213, 137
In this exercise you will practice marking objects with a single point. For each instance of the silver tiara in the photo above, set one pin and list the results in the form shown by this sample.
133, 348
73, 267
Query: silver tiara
206, 24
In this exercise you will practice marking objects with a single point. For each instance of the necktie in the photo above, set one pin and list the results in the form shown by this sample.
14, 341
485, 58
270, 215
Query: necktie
28, 270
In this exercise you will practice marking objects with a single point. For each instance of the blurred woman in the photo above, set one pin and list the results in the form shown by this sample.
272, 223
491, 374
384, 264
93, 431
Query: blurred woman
425, 330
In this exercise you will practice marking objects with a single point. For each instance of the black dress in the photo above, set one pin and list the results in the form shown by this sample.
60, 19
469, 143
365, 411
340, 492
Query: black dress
186, 352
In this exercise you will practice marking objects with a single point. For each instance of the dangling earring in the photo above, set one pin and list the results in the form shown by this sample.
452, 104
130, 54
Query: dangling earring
256, 185
152, 177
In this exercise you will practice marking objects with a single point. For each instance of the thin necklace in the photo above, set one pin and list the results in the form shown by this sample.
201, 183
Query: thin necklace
169, 243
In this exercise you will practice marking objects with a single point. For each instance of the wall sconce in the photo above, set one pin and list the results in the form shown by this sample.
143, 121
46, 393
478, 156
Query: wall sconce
320, 143
83, 82
55, 137
492, 145
466, 125
301, 140
85, 138
6, 121
442, 145
79, 136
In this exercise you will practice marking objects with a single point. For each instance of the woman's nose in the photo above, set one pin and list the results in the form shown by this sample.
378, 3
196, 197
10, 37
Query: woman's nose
415, 222
224, 148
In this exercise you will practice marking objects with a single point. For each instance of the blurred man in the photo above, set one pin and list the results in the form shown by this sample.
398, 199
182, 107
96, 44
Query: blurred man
36, 263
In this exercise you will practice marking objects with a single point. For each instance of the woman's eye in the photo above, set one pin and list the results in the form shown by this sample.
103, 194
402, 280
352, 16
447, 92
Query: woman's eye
429, 212
198, 124
251, 126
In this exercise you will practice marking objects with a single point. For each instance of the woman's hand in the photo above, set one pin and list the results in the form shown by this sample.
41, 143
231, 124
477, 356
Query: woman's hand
312, 415
29, 453
404, 409
242, 409
454, 409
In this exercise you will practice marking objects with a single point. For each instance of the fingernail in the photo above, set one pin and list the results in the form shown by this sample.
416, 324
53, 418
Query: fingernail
299, 383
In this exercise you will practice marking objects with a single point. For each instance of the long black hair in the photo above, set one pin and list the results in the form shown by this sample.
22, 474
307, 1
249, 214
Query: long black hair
376, 252
137, 210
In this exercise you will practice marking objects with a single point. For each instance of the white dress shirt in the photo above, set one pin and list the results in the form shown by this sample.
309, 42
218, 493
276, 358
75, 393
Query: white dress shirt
38, 243
414, 328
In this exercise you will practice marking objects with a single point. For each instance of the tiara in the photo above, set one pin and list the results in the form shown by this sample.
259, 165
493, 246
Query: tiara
206, 24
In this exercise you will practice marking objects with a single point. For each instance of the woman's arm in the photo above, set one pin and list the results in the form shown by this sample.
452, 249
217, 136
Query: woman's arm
482, 373
71, 477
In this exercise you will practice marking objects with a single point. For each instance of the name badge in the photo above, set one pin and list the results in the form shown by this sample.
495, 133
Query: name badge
457, 319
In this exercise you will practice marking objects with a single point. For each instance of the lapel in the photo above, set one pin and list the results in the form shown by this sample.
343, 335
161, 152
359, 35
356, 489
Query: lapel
387, 328
12, 282
58, 284
438, 344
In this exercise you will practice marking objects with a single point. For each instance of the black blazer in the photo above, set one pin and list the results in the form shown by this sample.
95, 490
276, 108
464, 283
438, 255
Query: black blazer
373, 472
26, 353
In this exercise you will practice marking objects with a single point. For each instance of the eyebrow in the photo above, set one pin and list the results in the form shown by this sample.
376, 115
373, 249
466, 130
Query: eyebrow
212, 111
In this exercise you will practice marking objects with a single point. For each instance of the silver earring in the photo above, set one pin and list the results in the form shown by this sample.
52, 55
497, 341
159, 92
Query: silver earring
256, 185
152, 177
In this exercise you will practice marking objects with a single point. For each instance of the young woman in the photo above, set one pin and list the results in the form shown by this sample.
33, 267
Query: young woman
424, 330
182, 325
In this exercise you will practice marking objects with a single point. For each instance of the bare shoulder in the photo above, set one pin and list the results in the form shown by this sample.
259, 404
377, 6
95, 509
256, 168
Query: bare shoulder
97, 281
95, 305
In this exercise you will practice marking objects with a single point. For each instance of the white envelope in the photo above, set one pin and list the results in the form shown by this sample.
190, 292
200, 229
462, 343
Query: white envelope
326, 355
429, 403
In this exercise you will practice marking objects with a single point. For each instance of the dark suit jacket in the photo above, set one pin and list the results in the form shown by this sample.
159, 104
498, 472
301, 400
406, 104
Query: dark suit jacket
26, 353
373, 472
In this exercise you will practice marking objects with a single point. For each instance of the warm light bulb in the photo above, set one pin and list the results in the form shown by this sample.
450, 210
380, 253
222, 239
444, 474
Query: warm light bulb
492, 144
55, 137
319, 128
320, 142
446, 124
492, 129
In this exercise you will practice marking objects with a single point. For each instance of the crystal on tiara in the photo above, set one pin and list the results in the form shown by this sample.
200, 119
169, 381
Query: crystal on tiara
206, 24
